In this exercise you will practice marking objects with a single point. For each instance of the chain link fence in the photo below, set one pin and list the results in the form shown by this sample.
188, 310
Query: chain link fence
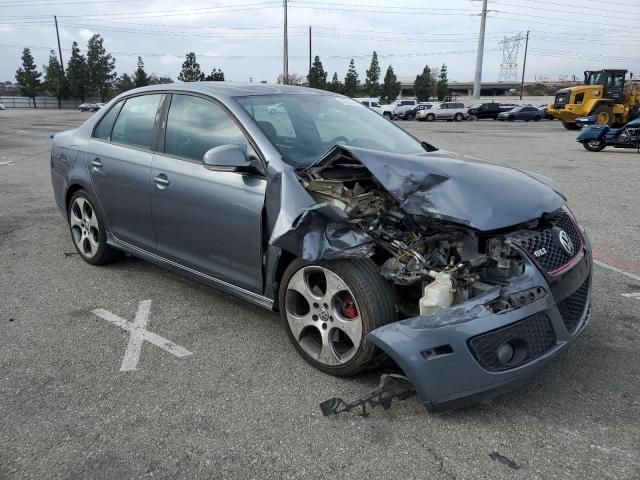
43, 102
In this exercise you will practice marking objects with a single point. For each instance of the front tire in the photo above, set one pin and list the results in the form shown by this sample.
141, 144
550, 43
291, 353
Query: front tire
604, 115
87, 230
458, 117
593, 145
430, 117
329, 308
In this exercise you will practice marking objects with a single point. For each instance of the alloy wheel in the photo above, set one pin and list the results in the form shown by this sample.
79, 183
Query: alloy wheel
85, 229
323, 315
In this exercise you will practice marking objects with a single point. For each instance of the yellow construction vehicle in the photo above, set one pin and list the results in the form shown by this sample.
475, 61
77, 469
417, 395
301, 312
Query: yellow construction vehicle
606, 94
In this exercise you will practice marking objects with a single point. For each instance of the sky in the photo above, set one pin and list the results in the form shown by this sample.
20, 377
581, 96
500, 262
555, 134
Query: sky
245, 38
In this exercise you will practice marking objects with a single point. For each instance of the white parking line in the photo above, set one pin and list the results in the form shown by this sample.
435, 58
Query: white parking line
139, 334
635, 295
617, 270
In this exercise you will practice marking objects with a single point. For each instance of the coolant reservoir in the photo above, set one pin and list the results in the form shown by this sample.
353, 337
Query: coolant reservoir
438, 294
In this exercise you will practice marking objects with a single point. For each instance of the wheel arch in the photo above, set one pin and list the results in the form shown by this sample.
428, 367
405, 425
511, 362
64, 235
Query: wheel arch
595, 103
285, 259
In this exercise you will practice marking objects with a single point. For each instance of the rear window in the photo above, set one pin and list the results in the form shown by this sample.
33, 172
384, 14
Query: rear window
135, 123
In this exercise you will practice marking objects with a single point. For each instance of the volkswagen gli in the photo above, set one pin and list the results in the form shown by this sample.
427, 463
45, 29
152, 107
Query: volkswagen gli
369, 242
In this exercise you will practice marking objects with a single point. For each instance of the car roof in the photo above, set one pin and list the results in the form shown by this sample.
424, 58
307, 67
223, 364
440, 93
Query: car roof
231, 89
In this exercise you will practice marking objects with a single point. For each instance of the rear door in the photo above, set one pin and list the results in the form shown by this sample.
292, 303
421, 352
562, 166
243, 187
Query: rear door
119, 158
207, 220
444, 112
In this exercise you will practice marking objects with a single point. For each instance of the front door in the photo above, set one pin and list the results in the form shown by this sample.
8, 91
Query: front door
119, 159
210, 221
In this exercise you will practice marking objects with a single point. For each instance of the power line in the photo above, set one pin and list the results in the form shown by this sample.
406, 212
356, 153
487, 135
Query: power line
600, 14
163, 13
270, 57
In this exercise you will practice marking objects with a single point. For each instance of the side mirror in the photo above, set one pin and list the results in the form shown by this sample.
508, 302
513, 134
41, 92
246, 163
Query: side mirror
230, 158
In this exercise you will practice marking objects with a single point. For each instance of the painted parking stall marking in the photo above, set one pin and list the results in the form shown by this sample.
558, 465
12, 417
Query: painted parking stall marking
635, 295
139, 334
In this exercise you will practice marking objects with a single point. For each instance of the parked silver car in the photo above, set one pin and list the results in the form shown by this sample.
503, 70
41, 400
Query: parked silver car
470, 276
445, 111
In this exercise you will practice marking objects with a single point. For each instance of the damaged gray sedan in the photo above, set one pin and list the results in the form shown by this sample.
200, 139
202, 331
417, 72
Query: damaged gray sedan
370, 243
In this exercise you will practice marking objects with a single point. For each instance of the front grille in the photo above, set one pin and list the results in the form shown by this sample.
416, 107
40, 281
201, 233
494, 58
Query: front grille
544, 246
572, 308
561, 100
533, 334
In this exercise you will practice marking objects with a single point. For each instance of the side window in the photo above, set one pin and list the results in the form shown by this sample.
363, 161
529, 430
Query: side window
195, 125
105, 125
135, 122
375, 104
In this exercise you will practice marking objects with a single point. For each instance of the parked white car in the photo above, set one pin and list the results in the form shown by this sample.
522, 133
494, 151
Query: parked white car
397, 108
455, 111
372, 103
2, 107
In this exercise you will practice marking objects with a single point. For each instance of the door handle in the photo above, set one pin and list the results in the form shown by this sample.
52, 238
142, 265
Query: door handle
96, 163
161, 180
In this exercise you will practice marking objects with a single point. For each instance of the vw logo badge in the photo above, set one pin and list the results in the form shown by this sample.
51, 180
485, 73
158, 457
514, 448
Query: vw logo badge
566, 242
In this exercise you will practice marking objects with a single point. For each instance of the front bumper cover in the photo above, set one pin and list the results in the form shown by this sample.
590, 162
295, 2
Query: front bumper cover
434, 353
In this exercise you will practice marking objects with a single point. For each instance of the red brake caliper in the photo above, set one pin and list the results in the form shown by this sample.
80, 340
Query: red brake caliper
349, 309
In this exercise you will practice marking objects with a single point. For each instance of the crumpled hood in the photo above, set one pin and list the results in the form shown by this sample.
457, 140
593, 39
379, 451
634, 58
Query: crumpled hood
445, 185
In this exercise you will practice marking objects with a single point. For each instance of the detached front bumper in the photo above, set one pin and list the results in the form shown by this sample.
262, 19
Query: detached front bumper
452, 358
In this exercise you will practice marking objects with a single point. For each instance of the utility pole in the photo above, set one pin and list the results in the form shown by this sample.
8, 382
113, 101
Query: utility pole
55, 19
524, 64
477, 82
309, 47
285, 66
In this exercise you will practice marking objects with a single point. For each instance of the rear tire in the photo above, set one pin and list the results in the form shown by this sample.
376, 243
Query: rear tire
458, 117
593, 145
536, 119
88, 231
570, 126
319, 305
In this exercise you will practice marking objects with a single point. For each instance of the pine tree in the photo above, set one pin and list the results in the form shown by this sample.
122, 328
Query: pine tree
156, 80
140, 77
372, 83
317, 77
390, 86
101, 68
335, 85
27, 77
216, 75
423, 85
124, 82
442, 89
351, 81
191, 69
77, 73
54, 79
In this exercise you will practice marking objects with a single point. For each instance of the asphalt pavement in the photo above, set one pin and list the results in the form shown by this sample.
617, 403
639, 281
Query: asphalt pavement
242, 403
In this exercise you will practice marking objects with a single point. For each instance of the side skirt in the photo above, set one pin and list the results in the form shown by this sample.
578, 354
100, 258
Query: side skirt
202, 277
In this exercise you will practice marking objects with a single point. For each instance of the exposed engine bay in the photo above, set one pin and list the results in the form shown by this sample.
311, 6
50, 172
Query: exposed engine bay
433, 264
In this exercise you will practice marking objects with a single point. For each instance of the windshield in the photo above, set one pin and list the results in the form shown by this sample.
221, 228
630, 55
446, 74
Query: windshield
303, 127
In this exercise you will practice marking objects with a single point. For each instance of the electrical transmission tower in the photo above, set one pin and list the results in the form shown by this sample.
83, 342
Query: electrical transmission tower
509, 66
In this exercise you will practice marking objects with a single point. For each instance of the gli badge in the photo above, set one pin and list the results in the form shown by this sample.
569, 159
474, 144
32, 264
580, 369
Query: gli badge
565, 241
